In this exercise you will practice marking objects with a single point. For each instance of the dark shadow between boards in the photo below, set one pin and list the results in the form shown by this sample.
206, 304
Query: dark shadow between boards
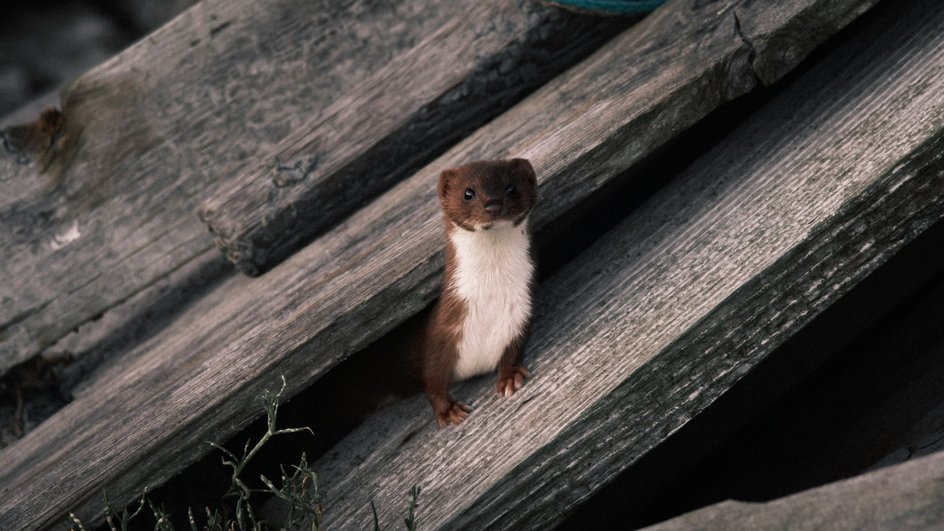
342, 399
857, 389
848, 393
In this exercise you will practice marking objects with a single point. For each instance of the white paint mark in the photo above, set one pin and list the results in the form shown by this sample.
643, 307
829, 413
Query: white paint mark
65, 238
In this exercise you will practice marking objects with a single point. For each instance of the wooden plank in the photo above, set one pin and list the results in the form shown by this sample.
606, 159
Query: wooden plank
147, 416
876, 400
681, 300
110, 210
905, 496
386, 128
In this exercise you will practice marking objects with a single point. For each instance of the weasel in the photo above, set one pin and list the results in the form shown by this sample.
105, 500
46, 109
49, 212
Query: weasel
482, 318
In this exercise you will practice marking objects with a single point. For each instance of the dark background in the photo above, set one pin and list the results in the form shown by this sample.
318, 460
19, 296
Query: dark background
44, 44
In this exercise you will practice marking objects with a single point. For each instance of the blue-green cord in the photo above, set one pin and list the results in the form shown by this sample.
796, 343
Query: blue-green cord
613, 6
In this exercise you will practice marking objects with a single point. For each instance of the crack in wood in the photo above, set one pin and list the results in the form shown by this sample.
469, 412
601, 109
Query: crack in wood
752, 54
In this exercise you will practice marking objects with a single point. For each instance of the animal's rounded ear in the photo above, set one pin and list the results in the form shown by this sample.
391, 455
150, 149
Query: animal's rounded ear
524, 168
445, 181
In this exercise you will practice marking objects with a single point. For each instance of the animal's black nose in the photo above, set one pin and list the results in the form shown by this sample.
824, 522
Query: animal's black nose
493, 207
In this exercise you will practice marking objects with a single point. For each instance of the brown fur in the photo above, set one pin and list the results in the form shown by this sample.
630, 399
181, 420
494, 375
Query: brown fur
438, 352
36, 138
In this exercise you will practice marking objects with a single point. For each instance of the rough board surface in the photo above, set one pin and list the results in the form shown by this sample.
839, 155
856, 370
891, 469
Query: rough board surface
148, 416
105, 206
387, 127
767, 230
905, 496
269, 211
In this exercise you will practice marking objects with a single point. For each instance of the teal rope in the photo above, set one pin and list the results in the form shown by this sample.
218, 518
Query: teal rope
613, 6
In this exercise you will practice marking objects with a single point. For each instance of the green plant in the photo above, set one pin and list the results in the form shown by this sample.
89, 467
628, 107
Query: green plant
410, 520
299, 489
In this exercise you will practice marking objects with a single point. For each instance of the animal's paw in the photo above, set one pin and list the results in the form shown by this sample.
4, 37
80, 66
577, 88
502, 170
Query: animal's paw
454, 413
511, 379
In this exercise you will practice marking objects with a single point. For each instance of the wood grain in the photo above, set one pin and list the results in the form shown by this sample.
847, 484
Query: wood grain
150, 413
905, 496
681, 300
387, 127
109, 209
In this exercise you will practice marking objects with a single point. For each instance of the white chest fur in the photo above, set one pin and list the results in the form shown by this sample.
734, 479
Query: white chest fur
492, 278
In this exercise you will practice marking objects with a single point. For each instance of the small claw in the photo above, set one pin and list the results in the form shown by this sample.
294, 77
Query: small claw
456, 413
457, 416
519, 381
514, 382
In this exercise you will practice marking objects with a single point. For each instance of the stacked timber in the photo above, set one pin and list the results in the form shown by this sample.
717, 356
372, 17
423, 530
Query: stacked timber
147, 413
683, 299
383, 129
104, 206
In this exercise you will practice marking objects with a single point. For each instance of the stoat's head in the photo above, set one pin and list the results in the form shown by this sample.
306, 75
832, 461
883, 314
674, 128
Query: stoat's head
488, 194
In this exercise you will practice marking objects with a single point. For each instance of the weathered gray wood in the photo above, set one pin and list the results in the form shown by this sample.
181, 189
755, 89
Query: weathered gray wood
147, 416
110, 210
877, 400
905, 496
387, 127
682, 299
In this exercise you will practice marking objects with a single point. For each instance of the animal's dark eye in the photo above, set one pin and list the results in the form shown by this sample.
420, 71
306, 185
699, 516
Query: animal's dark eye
511, 189
469, 194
